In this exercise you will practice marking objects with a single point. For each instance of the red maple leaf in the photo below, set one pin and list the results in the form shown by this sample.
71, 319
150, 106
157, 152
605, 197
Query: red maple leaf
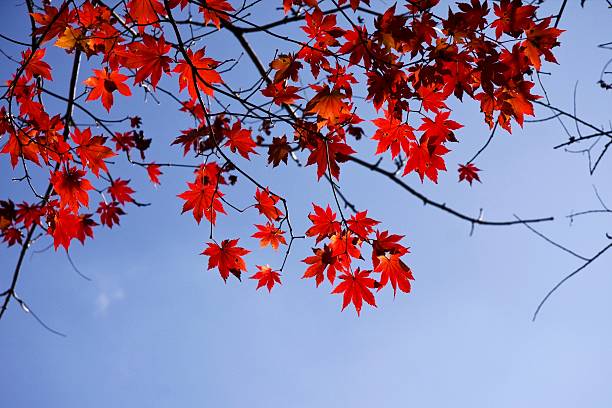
11, 236
432, 98
91, 150
514, 18
387, 244
204, 199
28, 214
145, 12
322, 28
440, 128
239, 139
148, 58
540, 40
154, 172
356, 288
281, 93
205, 75
84, 227
266, 204
329, 152
109, 213
120, 191
269, 234
36, 66
357, 44
393, 269
63, 227
362, 225
324, 223
104, 83
227, 258
426, 159
267, 277
216, 10
53, 21
469, 173
392, 133
321, 260
71, 187
19, 146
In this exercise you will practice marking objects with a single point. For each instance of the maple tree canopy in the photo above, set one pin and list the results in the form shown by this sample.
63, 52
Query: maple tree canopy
409, 60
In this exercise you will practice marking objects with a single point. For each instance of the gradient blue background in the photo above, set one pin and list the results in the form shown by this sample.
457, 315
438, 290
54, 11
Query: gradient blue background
155, 329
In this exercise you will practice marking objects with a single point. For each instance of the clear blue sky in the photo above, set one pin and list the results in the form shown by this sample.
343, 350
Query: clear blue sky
154, 328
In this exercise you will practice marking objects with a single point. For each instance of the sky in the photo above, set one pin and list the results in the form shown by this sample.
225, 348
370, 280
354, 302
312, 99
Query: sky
154, 328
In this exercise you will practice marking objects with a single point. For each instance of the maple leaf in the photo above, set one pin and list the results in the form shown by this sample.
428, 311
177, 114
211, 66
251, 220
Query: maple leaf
71, 38
426, 159
393, 269
514, 18
124, 141
216, 10
91, 150
432, 98
322, 28
35, 66
392, 133
356, 288
120, 191
469, 173
11, 236
20, 146
53, 21
227, 258
286, 67
540, 40
321, 260
329, 152
104, 83
145, 12
324, 223
148, 58
266, 204
269, 234
281, 94
387, 244
278, 151
204, 199
357, 44
135, 121
205, 75
71, 187
239, 139
441, 128
345, 245
154, 172
382, 87
28, 214
84, 227
267, 277
109, 213
329, 106
63, 227
362, 225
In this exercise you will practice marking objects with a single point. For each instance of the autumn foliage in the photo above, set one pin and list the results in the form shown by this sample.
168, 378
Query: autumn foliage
410, 60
